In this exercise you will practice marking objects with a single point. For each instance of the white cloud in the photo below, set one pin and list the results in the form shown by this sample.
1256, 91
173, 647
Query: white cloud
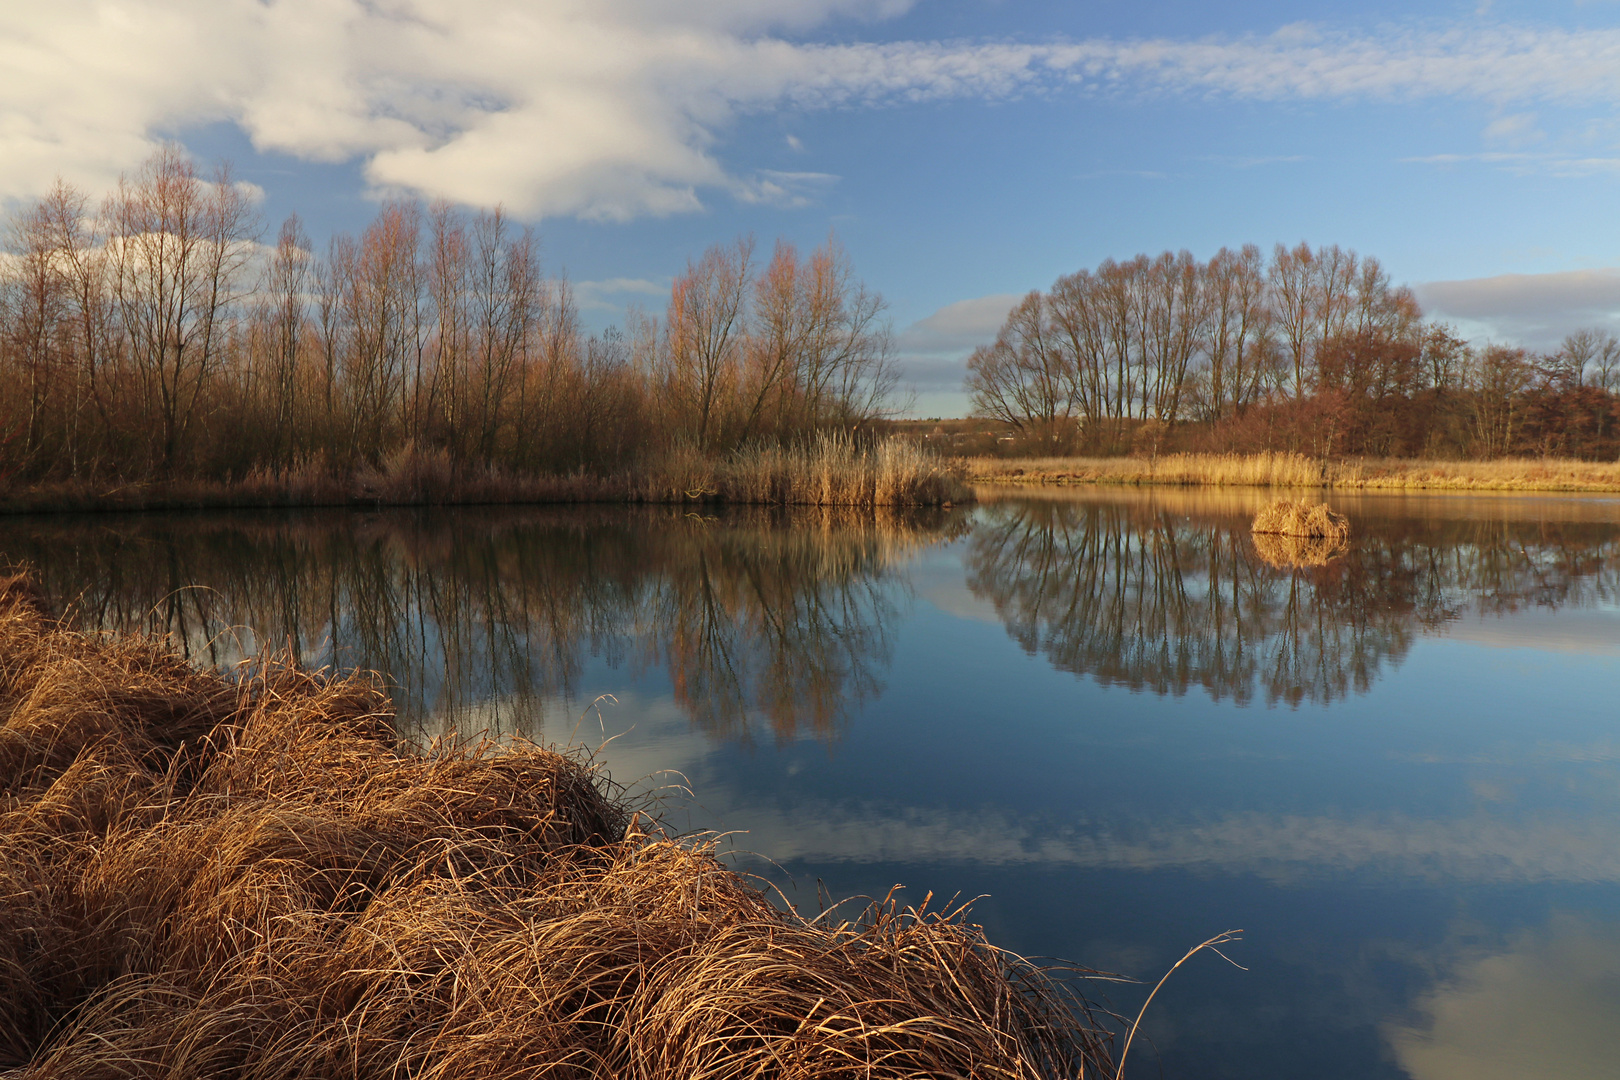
960, 327
933, 351
1535, 310
1525, 164
613, 108
785, 188
594, 295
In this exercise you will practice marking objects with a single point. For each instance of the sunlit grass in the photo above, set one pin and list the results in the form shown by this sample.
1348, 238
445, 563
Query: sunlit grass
202, 876
1298, 471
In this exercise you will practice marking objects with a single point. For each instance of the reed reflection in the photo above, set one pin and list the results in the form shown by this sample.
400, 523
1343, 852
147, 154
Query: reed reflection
1143, 594
487, 619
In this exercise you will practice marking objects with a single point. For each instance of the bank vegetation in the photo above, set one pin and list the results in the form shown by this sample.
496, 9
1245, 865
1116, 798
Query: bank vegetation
157, 350
1285, 470
203, 876
1309, 351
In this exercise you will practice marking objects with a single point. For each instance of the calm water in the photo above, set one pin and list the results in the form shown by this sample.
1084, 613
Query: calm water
1398, 773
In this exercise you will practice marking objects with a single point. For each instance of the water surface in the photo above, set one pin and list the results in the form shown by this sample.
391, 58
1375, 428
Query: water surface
1397, 772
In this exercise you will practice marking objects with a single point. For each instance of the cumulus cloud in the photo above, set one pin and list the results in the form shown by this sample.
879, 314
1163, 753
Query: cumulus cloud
1535, 310
614, 108
932, 351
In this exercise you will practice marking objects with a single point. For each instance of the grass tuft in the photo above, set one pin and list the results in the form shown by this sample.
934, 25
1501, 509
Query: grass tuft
1290, 533
246, 877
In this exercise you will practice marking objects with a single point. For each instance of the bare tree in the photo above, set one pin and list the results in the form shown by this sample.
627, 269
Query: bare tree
705, 330
178, 247
33, 304
284, 309
1294, 281
1024, 379
1240, 328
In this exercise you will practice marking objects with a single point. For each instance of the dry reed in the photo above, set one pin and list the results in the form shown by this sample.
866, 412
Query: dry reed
827, 470
1289, 532
1299, 471
202, 877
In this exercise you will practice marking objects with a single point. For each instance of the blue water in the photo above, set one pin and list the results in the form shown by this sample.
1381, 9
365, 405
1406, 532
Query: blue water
1397, 770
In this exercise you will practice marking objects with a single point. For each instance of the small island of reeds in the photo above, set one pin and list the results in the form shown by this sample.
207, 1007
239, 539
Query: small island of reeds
1295, 532
204, 876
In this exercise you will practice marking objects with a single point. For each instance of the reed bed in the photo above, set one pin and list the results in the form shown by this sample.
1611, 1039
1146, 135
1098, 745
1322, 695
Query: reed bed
827, 470
1299, 471
1245, 470
1294, 532
1297, 517
209, 877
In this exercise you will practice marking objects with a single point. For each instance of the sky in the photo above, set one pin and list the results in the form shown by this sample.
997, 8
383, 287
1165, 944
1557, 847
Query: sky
962, 151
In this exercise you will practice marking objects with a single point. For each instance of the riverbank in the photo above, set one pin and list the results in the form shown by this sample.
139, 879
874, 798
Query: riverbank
246, 876
831, 471
1298, 471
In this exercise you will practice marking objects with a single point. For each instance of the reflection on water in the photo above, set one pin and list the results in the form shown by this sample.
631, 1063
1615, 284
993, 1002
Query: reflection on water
1144, 594
1547, 1006
1396, 846
482, 617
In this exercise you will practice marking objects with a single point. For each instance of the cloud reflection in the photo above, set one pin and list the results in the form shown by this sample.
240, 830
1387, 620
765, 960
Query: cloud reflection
1283, 848
1547, 1007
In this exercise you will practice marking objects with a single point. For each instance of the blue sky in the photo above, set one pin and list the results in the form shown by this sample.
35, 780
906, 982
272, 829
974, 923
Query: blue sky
964, 151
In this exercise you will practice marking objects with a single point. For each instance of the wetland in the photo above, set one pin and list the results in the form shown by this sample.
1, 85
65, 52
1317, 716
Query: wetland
1106, 712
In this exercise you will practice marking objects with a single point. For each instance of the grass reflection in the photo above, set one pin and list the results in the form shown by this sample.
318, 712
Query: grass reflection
763, 620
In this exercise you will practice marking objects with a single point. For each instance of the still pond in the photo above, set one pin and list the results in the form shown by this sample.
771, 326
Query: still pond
1106, 713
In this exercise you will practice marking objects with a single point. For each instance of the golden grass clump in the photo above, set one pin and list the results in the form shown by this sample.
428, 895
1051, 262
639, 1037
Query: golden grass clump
203, 877
1290, 533
1289, 517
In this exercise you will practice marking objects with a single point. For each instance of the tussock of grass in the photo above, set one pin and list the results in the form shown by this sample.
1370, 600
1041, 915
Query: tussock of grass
204, 878
1290, 517
1290, 532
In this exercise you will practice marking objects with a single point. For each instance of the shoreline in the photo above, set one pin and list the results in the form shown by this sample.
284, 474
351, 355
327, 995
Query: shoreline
831, 472
1299, 472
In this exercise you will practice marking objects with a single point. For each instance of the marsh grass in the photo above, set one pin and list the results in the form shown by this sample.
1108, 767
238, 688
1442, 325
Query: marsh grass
1294, 532
1296, 517
830, 469
1245, 470
245, 877
1297, 470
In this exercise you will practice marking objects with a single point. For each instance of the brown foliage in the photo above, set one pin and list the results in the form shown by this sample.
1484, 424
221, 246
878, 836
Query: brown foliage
202, 877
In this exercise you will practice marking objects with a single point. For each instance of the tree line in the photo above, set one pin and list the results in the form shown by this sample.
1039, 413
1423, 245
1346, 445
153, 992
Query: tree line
158, 335
1309, 349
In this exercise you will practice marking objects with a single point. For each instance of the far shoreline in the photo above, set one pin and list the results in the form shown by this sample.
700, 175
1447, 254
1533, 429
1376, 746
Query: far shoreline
1282, 470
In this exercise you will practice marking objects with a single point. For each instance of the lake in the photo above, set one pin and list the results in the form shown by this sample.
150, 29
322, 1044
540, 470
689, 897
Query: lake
1107, 714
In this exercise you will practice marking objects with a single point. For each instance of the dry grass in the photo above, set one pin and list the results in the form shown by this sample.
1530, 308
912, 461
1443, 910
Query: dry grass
1289, 532
1291, 517
1296, 470
829, 470
212, 878
1249, 470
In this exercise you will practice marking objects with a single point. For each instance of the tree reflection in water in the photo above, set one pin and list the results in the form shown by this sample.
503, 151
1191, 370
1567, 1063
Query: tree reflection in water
1140, 593
485, 619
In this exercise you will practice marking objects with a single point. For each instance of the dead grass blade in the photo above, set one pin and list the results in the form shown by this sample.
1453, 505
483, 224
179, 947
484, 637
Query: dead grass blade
248, 877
